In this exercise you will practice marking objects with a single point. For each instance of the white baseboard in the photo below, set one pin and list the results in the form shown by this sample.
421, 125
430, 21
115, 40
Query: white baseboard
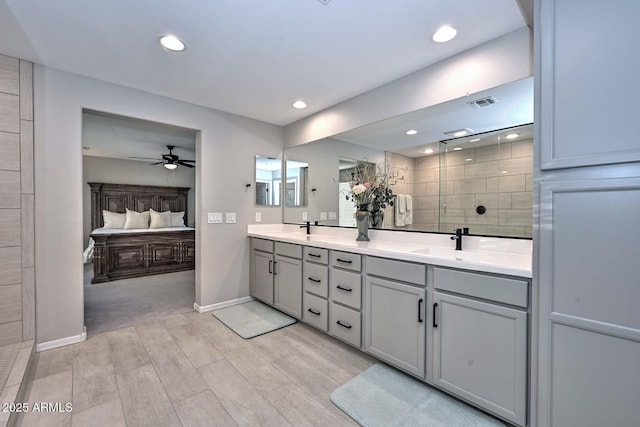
63, 341
211, 307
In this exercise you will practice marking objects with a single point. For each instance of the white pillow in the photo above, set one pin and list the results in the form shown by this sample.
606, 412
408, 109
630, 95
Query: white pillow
113, 219
160, 219
136, 220
177, 219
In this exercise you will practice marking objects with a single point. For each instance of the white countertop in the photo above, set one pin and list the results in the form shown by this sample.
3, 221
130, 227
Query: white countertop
491, 255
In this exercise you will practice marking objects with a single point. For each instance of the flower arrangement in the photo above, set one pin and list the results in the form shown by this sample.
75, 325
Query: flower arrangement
370, 187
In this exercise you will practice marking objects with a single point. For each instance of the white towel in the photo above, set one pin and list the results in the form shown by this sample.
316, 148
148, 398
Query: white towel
408, 215
402, 203
399, 217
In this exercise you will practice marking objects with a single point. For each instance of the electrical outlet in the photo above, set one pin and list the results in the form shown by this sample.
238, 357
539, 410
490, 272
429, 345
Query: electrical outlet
333, 215
258, 216
230, 218
214, 217
323, 216
304, 216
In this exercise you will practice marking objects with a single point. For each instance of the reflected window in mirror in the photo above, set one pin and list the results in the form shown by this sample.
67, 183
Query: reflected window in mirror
296, 189
268, 181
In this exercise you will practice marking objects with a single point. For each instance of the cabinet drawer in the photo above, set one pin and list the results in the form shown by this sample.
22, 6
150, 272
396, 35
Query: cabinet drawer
321, 256
315, 279
346, 288
500, 289
397, 270
346, 260
288, 249
262, 245
316, 311
344, 323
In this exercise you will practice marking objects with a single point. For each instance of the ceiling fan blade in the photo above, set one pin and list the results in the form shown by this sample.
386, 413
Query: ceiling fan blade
142, 158
156, 163
180, 162
170, 157
191, 161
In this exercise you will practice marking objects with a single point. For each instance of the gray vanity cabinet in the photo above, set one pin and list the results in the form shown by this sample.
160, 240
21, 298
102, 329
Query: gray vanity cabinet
395, 314
480, 347
287, 272
261, 284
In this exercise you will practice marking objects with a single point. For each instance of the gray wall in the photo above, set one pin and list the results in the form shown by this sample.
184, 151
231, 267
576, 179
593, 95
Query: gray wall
120, 171
226, 146
17, 292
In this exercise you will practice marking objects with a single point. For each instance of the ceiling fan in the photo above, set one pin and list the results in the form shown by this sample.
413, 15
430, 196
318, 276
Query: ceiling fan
170, 161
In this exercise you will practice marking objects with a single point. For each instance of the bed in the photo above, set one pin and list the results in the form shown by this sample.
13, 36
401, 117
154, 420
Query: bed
120, 254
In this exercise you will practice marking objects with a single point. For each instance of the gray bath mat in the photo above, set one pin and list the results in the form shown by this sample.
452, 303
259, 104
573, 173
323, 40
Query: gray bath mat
383, 396
252, 319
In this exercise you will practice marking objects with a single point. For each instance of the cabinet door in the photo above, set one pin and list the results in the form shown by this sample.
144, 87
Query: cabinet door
288, 286
262, 277
395, 325
479, 354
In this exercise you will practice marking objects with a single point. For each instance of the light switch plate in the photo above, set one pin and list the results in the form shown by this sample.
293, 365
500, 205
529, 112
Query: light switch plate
333, 215
258, 216
214, 217
323, 216
231, 217
304, 216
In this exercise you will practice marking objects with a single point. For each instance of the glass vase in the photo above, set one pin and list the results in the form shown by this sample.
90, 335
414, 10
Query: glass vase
362, 221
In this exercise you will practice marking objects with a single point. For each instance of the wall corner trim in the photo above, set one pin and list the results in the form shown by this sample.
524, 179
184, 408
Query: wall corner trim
211, 307
49, 345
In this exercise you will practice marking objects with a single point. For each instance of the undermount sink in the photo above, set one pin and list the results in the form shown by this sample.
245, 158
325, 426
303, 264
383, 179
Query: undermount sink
438, 252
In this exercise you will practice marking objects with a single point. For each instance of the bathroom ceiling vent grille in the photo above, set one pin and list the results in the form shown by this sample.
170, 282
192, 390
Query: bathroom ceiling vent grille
483, 102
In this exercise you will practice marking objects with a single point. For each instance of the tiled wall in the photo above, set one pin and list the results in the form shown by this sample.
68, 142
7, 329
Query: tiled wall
17, 278
447, 189
498, 177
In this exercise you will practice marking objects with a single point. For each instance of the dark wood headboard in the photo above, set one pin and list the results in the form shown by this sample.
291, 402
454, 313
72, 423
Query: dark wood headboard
139, 198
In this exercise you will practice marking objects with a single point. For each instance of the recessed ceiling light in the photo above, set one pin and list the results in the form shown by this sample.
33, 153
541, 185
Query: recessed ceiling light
444, 34
299, 104
458, 132
474, 140
467, 160
512, 136
457, 149
411, 132
504, 171
172, 43
428, 151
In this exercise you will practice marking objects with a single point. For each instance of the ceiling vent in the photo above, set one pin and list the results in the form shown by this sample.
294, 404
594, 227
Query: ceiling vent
483, 102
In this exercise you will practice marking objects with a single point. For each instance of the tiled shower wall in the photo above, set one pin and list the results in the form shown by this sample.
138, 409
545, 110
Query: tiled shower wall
447, 189
498, 177
17, 277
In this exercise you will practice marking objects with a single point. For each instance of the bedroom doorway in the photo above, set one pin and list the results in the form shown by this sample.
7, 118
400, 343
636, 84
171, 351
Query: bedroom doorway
139, 212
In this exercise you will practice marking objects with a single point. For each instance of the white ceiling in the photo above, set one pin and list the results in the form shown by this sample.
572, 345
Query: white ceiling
249, 57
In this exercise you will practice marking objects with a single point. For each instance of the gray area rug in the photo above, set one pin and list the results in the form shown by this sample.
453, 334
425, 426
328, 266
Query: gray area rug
383, 396
123, 303
252, 319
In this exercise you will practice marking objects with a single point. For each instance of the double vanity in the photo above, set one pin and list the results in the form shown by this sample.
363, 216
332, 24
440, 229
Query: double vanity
458, 320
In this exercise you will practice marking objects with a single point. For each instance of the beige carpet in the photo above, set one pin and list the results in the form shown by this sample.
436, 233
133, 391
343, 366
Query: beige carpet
123, 303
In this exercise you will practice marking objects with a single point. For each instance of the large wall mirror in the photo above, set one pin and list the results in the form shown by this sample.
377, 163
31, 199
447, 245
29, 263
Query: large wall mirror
467, 162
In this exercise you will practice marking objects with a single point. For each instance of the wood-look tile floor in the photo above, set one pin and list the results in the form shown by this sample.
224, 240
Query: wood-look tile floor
191, 370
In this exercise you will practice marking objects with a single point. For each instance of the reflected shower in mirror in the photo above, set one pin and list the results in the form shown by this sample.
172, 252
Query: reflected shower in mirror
268, 181
296, 188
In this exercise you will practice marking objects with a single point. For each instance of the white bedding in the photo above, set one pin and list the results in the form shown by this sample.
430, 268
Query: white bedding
138, 230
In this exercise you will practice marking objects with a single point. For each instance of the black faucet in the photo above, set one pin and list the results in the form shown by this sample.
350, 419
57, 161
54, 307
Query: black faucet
307, 225
458, 239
